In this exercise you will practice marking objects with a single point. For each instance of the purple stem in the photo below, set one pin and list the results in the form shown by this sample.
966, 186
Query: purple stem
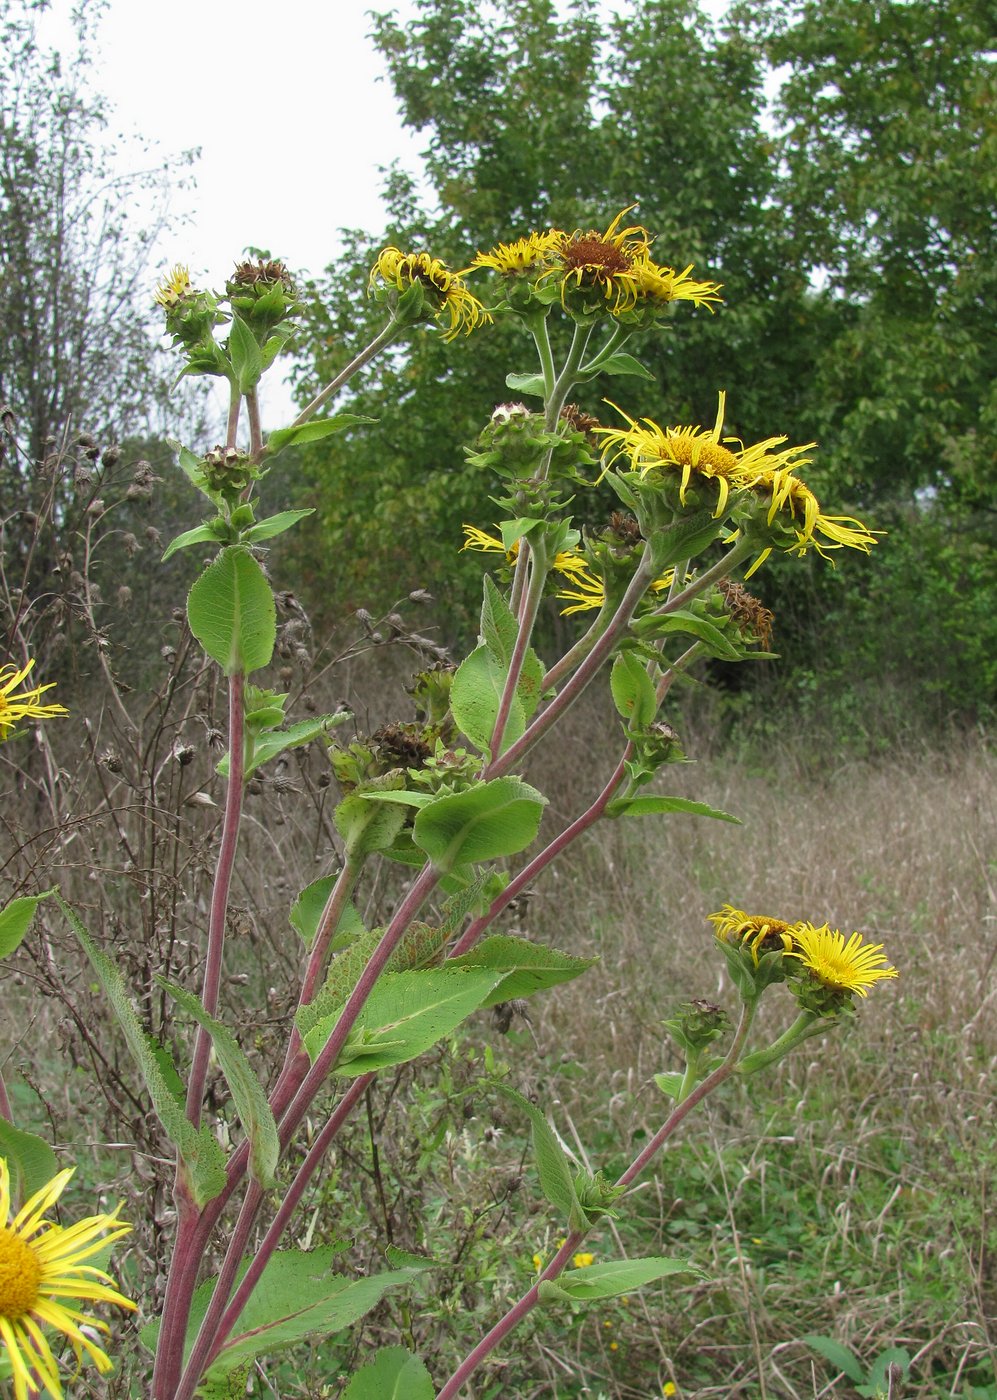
215, 1333
191, 1236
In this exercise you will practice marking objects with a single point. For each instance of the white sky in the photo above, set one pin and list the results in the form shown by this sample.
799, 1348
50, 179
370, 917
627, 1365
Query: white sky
286, 178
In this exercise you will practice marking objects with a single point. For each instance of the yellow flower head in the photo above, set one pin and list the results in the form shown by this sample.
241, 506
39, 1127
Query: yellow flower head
523, 255
854, 966
25, 705
587, 592
43, 1271
599, 268
759, 933
793, 505
698, 453
663, 285
566, 562
446, 293
582, 1261
174, 287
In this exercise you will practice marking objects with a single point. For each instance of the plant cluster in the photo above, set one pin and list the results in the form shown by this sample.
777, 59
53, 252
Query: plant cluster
443, 797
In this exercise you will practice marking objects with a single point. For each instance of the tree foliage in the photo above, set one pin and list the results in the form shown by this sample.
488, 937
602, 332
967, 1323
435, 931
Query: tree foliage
852, 225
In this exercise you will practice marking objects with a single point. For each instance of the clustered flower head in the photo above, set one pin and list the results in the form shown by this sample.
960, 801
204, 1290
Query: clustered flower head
25, 704
446, 296
593, 272
826, 961
44, 1272
705, 461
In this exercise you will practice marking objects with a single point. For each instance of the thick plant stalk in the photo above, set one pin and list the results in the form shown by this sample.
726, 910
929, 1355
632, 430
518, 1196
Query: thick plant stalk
188, 1250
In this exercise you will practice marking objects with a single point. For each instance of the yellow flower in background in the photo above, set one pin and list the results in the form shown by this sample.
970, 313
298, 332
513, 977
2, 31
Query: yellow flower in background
661, 285
25, 705
538, 1263
793, 504
522, 255
446, 293
854, 966
694, 452
566, 562
588, 592
669, 1388
174, 287
43, 1272
582, 1261
599, 269
759, 933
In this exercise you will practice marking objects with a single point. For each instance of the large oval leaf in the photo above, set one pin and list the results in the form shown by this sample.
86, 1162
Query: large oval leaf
232, 613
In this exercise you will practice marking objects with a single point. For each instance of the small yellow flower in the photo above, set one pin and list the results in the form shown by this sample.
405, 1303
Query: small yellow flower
661, 285
698, 453
614, 1346
854, 966
43, 1270
669, 1388
759, 933
792, 503
523, 255
449, 298
174, 287
538, 1263
24, 706
566, 562
588, 592
582, 1261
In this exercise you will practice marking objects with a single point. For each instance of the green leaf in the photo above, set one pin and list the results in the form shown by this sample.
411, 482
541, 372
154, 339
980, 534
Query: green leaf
611, 1280
312, 431
710, 635
306, 911
646, 806
297, 1297
247, 361
31, 1162
619, 363
670, 1083
266, 746
633, 690
193, 469
247, 1093
275, 525
557, 1179
368, 826
394, 1374
405, 1014
203, 534
489, 820
526, 384
15, 920
202, 1158
232, 613
526, 967
477, 687
840, 1357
